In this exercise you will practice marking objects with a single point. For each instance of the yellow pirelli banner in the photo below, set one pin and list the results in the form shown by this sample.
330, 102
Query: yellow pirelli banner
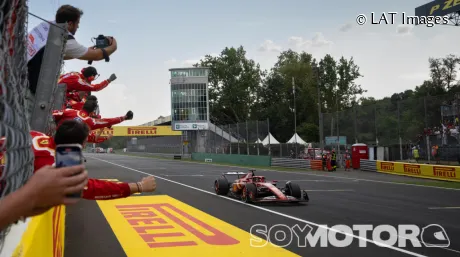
439, 172
127, 131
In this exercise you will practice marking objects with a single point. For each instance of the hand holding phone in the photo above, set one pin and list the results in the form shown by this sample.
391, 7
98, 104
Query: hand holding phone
69, 155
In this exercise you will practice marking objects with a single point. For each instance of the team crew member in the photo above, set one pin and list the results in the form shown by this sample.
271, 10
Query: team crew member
347, 158
97, 138
74, 132
324, 159
85, 114
79, 83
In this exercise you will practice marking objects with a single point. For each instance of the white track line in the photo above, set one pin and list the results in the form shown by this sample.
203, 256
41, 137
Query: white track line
444, 208
273, 212
313, 180
331, 190
306, 173
188, 175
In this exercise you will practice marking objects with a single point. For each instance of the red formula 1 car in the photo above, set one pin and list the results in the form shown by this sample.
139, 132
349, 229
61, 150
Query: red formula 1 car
254, 189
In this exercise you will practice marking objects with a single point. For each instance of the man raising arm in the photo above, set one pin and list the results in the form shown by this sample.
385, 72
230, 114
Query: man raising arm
74, 132
85, 114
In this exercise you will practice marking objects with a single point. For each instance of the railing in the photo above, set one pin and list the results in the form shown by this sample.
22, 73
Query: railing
163, 155
291, 163
221, 132
367, 165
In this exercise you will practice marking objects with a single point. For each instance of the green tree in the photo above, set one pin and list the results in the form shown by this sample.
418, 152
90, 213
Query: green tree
234, 82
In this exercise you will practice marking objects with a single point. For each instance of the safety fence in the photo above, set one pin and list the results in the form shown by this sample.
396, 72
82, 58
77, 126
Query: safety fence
16, 155
248, 137
291, 163
400, 124
20, 111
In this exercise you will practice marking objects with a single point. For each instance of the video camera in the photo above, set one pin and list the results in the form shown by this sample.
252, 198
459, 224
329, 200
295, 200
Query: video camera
101, 43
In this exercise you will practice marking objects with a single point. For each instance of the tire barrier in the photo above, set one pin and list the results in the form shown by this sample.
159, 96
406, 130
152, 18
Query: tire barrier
291, 163
368, 165
316, 164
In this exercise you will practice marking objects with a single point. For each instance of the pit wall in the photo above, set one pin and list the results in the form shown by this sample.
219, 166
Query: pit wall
42, 236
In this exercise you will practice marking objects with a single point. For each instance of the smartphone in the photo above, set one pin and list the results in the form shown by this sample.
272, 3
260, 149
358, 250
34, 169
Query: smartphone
69, 155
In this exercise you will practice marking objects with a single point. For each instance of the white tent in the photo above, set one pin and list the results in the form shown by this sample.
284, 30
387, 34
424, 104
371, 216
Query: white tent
296, 139
258, 141
270, 140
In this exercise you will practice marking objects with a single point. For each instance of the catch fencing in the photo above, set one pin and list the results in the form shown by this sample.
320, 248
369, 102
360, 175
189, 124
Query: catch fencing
17, 160
18, 106
399, 125
240, 138
248, 138
244, 138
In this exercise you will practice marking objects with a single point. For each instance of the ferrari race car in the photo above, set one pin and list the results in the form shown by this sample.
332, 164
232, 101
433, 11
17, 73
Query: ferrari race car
255, 189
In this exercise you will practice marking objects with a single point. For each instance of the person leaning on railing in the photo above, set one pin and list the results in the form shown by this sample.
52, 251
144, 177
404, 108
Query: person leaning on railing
38, 37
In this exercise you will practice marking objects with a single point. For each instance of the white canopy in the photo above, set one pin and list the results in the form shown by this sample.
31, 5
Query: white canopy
296, 139
258, 141
270, 140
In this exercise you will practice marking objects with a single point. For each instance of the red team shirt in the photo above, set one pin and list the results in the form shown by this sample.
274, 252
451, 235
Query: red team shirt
76, 82
93, 138
44, 152
71, 114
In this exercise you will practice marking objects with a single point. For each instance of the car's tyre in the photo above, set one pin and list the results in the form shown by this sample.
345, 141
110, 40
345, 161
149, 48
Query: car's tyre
292, 189
249, 193
221, 186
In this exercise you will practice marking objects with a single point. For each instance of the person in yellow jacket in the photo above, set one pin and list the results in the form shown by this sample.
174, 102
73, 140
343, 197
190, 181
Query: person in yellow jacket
334, 160
415, 153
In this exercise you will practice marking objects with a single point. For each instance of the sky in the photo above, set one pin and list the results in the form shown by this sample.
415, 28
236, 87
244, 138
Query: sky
154, 36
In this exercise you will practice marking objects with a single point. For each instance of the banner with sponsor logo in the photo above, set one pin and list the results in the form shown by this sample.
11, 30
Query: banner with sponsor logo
44, 235
190, 126
439, 172
137, 131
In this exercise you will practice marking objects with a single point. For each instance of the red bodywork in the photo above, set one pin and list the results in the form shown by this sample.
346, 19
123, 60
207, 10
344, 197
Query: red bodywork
259, 182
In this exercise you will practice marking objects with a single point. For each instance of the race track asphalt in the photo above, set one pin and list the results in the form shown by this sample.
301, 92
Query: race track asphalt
347, 198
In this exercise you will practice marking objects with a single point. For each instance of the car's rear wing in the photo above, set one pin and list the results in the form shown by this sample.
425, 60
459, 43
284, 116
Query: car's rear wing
235, 173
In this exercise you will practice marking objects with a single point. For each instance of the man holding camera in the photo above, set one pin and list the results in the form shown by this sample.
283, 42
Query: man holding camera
38, 37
